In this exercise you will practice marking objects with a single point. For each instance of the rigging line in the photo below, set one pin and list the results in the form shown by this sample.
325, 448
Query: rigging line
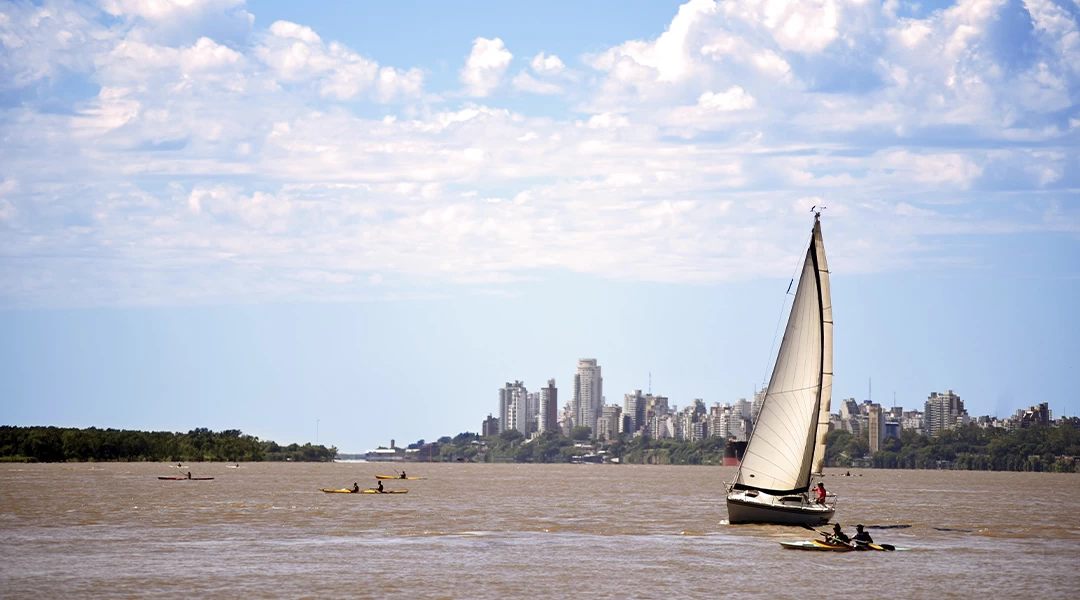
769, 357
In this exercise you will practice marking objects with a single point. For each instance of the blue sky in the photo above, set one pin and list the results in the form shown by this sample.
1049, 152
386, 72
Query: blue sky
265, 215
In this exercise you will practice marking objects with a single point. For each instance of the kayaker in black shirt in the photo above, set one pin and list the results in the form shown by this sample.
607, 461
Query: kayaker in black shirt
355, 488
189, 474
380, 487
403, 474
837, 536
861, 537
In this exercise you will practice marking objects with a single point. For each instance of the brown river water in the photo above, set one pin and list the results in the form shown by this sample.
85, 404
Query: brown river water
510, 531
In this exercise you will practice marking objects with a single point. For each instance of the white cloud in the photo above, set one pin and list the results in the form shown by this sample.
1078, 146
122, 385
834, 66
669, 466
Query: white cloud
157, 10
1060, 27
950, 169
607, 121
485, 66
527, 83
735, 98
800, 26
207, 54
691, 157
668, 59
772, 64
44, 42
258, 209
288, 29
297, 54
547, 64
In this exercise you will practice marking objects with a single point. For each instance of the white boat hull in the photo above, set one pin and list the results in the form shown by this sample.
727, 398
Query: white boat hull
759, 507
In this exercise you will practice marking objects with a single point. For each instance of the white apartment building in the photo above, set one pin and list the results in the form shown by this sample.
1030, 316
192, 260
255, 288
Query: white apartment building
588, 393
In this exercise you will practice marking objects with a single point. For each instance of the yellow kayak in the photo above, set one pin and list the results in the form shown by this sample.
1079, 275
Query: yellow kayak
349, 491
397, 477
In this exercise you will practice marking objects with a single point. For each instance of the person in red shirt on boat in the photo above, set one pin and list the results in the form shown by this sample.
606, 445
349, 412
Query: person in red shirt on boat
820, 493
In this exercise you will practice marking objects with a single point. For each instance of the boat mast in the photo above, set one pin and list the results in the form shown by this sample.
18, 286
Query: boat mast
821, 371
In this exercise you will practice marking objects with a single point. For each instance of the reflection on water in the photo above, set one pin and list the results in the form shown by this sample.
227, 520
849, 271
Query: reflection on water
497, 531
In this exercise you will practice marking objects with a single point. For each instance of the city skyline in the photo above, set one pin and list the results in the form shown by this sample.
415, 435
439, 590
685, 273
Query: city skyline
656, 417
353, 221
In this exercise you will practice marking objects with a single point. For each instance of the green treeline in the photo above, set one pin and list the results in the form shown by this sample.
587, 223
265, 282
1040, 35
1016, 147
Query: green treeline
59, 444
968, 448
553, 447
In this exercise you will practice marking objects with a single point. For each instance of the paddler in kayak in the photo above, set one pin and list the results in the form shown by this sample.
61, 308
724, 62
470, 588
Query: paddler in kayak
838, 536
189, 474
355, 488
379, 489
403, 475
862, 537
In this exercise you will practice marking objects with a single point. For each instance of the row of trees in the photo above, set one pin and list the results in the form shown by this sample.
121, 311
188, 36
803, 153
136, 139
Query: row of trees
553, 447
59, 444
969, 448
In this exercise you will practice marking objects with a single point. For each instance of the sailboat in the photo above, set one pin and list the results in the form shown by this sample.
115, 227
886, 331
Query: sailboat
787, 445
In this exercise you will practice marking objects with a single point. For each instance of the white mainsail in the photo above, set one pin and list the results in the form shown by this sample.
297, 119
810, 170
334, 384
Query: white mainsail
788, 441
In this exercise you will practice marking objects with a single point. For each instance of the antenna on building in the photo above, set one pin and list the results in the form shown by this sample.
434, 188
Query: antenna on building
870, 389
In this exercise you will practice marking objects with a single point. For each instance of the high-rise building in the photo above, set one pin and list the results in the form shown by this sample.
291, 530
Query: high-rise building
875, 426
513, 407
755, 409
943, 411
607, 426
660, 426
588, 393
656, 405
634, 411
566, 418
914, 421
532, 412
549, 407
1035, 415
850, 416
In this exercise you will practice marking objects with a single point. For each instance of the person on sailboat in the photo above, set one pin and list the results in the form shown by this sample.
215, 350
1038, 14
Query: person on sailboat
837, 536
862, 537
355, 488
820, 493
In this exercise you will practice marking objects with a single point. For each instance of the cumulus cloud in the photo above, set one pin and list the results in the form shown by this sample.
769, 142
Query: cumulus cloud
803, 26
157, 10
485, 67
547, 64
669, 58
527, 83
296, 54
285, 164
735, 98
43, 42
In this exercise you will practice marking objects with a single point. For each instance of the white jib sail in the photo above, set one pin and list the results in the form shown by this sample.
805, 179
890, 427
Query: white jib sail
781, 450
